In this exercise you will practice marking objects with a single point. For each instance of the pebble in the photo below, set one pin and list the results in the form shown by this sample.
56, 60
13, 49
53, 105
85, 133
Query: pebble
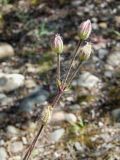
30, 83
78, 147
57, 134
115, 114
62, 116
58, 116
10, 82
103, 25
2, 97
70, 117
16, 147
24, 140
102, 53
11, 130
3, 154
114, 59
87, 80
3, 116
6, 50
108, 74
38, 96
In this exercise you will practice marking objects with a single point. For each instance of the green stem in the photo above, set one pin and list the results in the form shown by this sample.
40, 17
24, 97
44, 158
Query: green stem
58, 66
74, 74
70, 67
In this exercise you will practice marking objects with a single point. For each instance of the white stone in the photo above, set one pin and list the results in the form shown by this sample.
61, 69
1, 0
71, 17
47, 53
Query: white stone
71, 118
6, 50
10, 82
57, 134
16, 147
114, 59
3, 154
87, 80
11, 130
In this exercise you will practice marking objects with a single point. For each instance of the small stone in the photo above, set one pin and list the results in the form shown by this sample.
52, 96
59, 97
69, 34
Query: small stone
3, 118
3, 154
71, 118
102, 53
117, 20
87, 80
30, 83
24, 140
11, 130
115, 115
114, 59
32, 126
16, 147
103, 25
108, 74
74, 107
15, 158
58, 116
100, 124
10, 82
2, 96
6, 50
2, 142
38, 96
78, 147
57, 134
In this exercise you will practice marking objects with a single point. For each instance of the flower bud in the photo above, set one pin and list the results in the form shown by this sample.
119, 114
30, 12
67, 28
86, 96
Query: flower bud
57, 45
85, 30
85, 51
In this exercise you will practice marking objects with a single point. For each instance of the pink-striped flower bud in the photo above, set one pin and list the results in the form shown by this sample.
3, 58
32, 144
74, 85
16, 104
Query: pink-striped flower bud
85, 30
57, 44
85, 51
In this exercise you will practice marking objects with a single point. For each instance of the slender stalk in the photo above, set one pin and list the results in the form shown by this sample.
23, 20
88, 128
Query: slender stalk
70, 67
58, 66
58, 95
31, 147
74, 74
56, 99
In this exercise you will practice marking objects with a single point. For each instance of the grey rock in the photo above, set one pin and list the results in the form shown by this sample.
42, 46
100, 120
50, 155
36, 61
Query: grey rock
62, 116
6, 100
30, 83
11, 130
10, 82
38, 96
79, 147
3, 154
6, 50
70, 117
2, 142
108, 74
115, 114
2, 97
57, 134
102, 53
16, 147
2, 117
74, 107
87, 80
114, 59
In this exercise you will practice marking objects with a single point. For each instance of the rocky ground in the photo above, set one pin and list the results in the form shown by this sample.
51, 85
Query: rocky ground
86, 123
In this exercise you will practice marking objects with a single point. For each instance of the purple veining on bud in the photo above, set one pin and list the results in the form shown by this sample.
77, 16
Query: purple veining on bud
85, 29
57, 44
85, 51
